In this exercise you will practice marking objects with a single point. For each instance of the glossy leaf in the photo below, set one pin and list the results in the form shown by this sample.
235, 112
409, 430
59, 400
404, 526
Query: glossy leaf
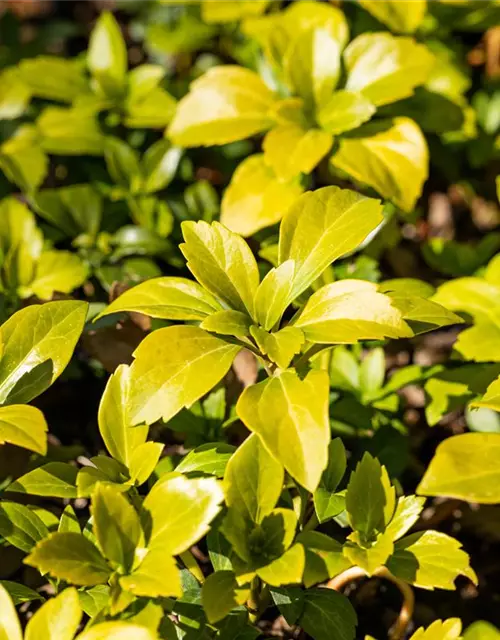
10, 627
20, 526
465, 467
385, 68
286, 409
229, 323
408, 510
327, 504
188, 362
58, 619
327, 612
71, 557
259, 197
181, 511
253, 480
227, 103
24, 426
54, 479
35, 336
322, 226
222, 262
144, 460
157, 575
384, 155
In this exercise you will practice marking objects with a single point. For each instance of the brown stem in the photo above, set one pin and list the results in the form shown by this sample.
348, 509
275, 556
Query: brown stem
355, 573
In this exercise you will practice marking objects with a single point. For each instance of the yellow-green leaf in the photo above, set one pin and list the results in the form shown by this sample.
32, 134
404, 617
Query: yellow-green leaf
220, 594
466, 467
54, 78
54, 479
144, 460
253, 480
480, 343
214, 11
287, 569
491, 398
280, 346
385, 68
345, 110
389, 155
156, 576
441, 629
38, 340
273, 295
57, 619
70, 131
107, 55
10, 628
348, 311
116, 526
291, 150
181, 510
24, 426
173, 368
402, 16
71, 557
479, 298
229, 323
59, 271
324, 225
117, 631
369, 556
430, 560
226, 104
257, 197
120, 438
222, 262
290, 415
21, 526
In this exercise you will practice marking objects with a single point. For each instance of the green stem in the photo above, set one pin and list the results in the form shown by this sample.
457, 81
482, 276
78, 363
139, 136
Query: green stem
253, 602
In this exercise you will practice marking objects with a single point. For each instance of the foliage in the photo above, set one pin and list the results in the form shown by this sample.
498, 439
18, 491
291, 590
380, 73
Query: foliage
222, 271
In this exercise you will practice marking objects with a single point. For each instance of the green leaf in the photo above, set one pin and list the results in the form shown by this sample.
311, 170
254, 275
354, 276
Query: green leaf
24, 426
290, 602
176, 524
422, 314
229, 323
383, 155
94, 600
144, 460
328, 614
491, 399
156, 576
385, 68
312, 65
372, 372
69, 522
480, 631
73, 209
53, 78
38, 335
257, 196
479, 298
408, 510
14, 94
287, 409
107, 55
465, 467
430, 560
122, 163
324, 557
10, 628
159, 165
370, 498
345, 110
281, 346
273, 295
209, 459
220, 594
188, 362
399, 16
117, 631
369, 556
116, 526
222, 262
253, 480
54, 479
120, 438
19, 593
57, 619
347, 311
480, 343
22, 160
153, 110
59, 271
441, 630
166, 298
288, 569
70, 131
327, 503
20, 526
226, 104
324, 225
71, 557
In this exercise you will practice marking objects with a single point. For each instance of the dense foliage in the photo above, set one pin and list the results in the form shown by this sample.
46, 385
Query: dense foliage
250, 320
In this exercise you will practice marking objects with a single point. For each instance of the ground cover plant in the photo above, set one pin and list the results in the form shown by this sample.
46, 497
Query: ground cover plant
249, 320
